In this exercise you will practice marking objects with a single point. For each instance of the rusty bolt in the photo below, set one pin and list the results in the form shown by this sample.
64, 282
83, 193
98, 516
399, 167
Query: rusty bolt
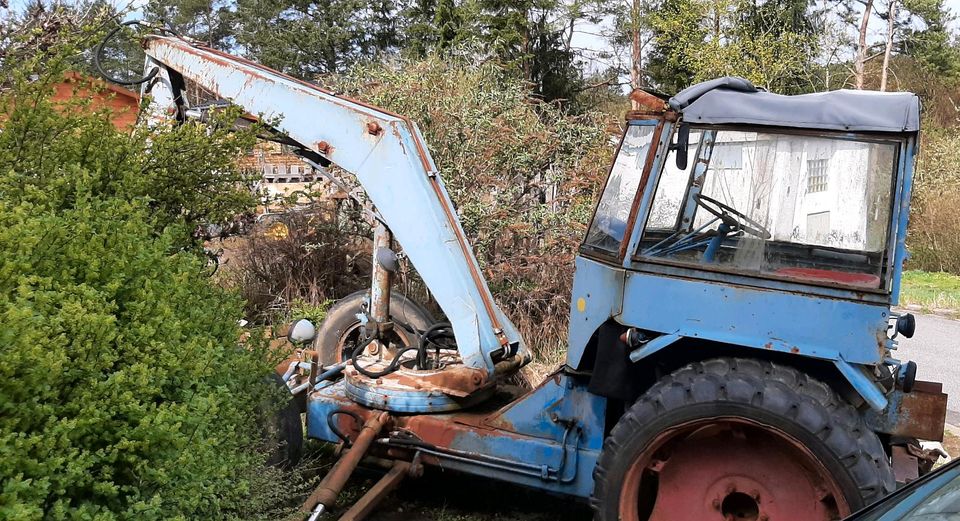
379, 381
323, 147
374, 128
476, 379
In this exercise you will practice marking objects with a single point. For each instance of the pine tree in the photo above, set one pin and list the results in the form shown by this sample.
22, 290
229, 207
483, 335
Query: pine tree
310, 38
448, 24
932, 44
209, 21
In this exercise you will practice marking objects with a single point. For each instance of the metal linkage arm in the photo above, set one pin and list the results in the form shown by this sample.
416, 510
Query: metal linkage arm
386, 153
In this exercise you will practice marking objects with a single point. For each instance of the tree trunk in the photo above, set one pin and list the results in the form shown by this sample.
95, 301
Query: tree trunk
891, 16
859, 63
636, 64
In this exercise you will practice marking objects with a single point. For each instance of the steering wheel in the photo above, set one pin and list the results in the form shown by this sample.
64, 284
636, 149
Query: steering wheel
732, 217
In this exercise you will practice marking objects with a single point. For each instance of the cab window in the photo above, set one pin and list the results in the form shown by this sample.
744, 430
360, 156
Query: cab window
815, 209
608, 228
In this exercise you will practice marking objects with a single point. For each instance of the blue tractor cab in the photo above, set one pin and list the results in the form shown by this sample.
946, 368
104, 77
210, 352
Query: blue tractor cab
751, 220
745, 254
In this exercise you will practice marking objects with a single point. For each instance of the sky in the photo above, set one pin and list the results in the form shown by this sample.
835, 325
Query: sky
954, 6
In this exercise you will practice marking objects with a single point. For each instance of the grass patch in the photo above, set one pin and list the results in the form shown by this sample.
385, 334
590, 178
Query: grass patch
951, 443
931, 291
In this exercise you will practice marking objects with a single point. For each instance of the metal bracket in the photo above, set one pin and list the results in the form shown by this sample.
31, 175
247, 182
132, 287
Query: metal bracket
652, 346
864, 385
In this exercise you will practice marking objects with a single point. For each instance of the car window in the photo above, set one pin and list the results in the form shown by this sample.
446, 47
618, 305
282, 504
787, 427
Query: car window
935, 497
941, 505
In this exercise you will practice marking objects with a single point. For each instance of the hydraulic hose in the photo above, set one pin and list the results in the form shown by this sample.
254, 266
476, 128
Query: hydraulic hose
336, 430
98, 56
440, 329
391, 367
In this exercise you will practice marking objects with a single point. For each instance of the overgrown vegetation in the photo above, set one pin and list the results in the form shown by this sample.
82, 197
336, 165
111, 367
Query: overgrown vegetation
125, 394
522, 173
123, 391
298, 258
934, 239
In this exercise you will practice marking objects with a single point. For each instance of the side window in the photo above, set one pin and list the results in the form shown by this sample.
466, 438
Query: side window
610, 222
672, 189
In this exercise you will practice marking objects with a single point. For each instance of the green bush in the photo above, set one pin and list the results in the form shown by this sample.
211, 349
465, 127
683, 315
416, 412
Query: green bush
123, 391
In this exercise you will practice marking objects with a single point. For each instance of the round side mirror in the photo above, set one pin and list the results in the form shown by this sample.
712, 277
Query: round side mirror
907, 325
907, 376
387, 258
301, 331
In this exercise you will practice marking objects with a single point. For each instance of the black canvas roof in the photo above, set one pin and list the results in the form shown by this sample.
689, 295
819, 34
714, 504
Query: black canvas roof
735, 100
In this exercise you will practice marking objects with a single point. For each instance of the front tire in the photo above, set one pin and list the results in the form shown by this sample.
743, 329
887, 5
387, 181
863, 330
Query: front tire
743, 438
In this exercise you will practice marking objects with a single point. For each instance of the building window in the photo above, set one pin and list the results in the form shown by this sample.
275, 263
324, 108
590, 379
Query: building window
818, 227
727, 158
816, 175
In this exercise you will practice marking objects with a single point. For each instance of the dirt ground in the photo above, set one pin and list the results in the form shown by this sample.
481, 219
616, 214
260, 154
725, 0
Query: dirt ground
450, 496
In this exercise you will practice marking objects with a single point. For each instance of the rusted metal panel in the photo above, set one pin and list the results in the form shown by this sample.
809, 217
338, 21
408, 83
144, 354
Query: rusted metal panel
906, 467
646, 103
918, 414
550, 438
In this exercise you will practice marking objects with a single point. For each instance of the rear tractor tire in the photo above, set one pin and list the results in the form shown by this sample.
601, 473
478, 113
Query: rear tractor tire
733, 438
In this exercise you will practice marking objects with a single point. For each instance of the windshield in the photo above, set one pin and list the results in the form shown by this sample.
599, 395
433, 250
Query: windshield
794, 206
610, 221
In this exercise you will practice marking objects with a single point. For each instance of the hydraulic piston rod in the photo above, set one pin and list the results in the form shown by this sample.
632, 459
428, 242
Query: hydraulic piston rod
326, 493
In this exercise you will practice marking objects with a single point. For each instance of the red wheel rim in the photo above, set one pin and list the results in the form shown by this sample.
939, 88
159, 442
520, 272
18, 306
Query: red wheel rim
729, 469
